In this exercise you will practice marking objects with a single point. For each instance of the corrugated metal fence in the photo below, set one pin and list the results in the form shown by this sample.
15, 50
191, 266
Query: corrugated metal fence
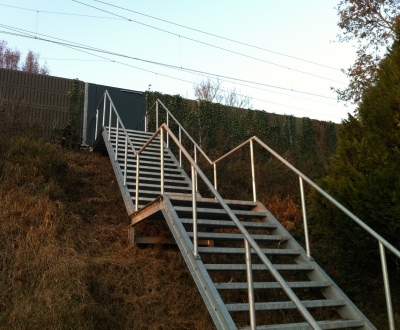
41, 100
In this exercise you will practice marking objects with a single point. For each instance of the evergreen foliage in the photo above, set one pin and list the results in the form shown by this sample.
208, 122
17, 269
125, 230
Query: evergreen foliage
364, 176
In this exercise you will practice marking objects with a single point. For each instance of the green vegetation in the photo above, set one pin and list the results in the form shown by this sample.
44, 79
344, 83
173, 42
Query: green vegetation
364, 176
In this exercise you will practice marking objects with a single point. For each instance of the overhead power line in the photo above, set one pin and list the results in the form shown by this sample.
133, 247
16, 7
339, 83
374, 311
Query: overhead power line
30, 34
220, 37
211, 45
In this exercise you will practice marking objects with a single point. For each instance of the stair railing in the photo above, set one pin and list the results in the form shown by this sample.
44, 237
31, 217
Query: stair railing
382, 242
112, 112
248, 240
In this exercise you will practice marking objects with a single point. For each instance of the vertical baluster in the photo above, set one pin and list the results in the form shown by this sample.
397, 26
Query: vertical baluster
387, 287
180, 150
109, 122
195, 160
104, 109
194, 208
116, 141
97, 124
253, 175
156, 115
303, 208
250, 289
215, 176
167, 132
145, 123
162, 160
137, 184
126, 159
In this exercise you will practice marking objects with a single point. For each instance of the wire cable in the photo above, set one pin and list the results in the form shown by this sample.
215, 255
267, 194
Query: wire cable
220, 37
70, 43
211, 45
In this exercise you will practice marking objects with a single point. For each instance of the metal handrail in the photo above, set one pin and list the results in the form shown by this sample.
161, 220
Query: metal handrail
249, 241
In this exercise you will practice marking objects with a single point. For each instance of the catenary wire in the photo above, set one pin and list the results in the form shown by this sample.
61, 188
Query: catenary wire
160, 74
211, 45
70, 43
220, 37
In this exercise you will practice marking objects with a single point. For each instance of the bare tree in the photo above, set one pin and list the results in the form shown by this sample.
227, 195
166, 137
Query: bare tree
212, 91
10, 59
237, 100
209, 90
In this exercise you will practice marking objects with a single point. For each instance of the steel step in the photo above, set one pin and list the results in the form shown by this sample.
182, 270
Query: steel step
228, 224
285, 305
271, 285
206, 212
338, 324
214, 204
171, 171
156, 180
239, 237
227, 250
240, 267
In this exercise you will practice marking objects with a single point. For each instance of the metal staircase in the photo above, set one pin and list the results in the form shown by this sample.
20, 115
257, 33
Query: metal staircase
245, 264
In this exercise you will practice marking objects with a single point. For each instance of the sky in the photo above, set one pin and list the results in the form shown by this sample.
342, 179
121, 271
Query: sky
290, 61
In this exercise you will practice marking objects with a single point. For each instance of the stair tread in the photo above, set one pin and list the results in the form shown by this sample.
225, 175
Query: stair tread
271, 285
148, 185
236, 237
258, 267
337, 324
229, 223
228, 250
286, 305
254, 214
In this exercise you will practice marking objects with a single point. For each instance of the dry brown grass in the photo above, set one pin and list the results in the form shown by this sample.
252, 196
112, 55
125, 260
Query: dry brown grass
65, 261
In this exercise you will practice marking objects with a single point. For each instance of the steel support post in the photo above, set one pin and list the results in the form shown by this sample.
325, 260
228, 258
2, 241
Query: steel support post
104, 109
387, 287
194, 207
162, 160
137, 184
195, 160
303, 209
126, 159
109, 123
250, 289
116, 141
253, 175
145, 123
156, 115
167, 132
97, 123
215, 176
180, 150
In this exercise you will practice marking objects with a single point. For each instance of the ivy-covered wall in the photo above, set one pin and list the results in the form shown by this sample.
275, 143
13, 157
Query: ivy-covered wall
218, 129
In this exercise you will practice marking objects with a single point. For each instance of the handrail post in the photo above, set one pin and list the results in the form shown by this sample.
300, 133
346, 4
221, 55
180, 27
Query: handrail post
104, 108
137, 184
97, 123
167, 132
194, 208
156, 115
116, 141
303, 208
109, 123
145, 123
253, 175
180, 150
126, 159
195, 160
387, 287
250, 288
162, 160
215, 176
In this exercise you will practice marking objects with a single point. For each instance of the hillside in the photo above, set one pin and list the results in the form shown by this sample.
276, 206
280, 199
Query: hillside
65, 261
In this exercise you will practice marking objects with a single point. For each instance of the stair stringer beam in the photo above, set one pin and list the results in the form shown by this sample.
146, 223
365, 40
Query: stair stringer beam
130, 207
216, 307
349, 311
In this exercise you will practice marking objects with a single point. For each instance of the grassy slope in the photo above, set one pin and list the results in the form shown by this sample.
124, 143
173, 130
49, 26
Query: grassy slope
65, 261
